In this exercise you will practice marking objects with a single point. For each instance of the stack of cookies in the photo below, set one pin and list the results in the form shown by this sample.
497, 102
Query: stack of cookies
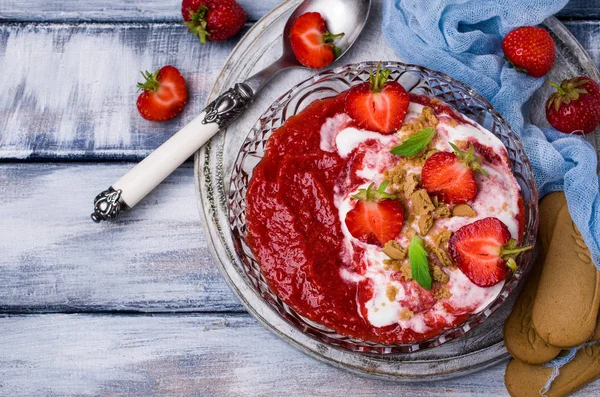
556, 311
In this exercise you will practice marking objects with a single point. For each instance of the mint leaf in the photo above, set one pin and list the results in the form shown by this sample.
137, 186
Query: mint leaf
415, 143
419, 267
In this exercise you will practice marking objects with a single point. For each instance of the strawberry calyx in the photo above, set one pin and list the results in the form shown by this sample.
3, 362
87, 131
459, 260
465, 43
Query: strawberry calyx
510, 252
378, 80
150, 83
329, 38
197, 23
568, 90
469, 158
375, 195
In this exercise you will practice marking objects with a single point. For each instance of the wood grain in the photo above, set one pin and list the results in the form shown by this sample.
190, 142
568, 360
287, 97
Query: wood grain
170, 10
54, 258
70, 88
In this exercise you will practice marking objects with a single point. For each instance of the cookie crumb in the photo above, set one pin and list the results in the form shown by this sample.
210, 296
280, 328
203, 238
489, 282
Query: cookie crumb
463, 210
394, 250
391, 292
425, 224
406, 314
440, 275
410, 184
442, 293
421, 202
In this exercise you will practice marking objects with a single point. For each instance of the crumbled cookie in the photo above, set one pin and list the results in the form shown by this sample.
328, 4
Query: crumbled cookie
391, 292
410, 233
463, 210
425, 224
439, 275
394, 264
395, 176
394, 250
442, 211
410, 184
439, 248
442, 293
421, 202
442, 238
406, 314
425, 119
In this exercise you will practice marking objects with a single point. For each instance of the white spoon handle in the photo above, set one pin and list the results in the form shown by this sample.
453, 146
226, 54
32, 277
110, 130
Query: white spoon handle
150, 172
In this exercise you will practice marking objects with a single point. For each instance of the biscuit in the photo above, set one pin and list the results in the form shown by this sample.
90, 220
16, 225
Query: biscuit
520, 337
565, 307
527, 380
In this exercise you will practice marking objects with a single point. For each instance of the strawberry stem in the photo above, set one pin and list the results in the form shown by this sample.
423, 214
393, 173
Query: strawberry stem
151, 81
330, 37
370, 194
469, 158
510, 251
197, 23
379, 79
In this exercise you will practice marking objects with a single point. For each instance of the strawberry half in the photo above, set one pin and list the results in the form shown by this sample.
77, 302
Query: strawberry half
484, 250
530, 50
215, 20
377, 217
311, 42
451, 176
164, 94
575, 107
378, 105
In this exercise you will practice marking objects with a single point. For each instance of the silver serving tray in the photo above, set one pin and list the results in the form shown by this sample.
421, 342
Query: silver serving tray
478, 349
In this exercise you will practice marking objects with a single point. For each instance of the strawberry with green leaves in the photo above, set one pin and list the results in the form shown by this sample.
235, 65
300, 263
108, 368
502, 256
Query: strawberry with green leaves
451, 176
377, 217
215, 20
312, 43
378, 105
163, 94
530, 50
575, 106
484, 251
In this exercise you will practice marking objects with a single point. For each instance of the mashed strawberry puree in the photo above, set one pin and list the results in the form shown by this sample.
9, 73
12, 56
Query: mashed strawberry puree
297, 202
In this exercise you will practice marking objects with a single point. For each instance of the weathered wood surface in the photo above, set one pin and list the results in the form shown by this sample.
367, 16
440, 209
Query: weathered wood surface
170, 10
68, 90
200, 355
54, 258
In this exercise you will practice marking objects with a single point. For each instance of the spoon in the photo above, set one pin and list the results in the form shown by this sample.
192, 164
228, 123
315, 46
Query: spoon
348, 16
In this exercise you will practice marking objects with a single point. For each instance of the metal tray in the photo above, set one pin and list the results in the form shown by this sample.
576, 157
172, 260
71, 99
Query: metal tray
481, 347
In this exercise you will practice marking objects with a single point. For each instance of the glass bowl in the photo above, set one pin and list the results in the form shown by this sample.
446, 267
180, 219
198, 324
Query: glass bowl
415, 79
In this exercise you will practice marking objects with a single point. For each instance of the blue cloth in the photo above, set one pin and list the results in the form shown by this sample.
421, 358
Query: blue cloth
463, 38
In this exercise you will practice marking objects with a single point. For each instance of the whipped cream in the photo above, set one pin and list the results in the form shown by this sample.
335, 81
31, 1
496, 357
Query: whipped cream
497, 197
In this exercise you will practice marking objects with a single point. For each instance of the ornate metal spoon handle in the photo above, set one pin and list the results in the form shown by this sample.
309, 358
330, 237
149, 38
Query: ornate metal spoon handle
145, 176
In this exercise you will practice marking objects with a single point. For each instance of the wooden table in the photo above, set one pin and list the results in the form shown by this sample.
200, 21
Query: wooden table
135, 307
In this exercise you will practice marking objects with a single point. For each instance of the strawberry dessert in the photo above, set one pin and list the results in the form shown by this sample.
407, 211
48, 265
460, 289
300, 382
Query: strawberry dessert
383, 215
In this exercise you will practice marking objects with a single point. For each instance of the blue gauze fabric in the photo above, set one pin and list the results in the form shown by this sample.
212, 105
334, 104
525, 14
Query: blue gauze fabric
463, 38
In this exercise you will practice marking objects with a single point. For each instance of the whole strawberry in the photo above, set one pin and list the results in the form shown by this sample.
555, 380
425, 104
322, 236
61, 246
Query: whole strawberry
164, 94
575, 107
530, 50
216, 20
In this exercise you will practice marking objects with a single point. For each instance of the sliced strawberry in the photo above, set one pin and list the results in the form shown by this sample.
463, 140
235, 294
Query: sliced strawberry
378, 105
451, 176
164, 94
484, 250
311, 42
377, 217
575, 107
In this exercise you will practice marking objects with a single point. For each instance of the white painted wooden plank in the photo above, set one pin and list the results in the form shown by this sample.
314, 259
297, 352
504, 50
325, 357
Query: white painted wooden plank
111, 10
170, 10
202, 355
69, 89
54, 258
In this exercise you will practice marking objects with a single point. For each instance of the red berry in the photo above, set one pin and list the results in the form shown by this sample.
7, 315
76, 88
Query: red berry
311, 42
378, 105
575, 107
164, 94
451, 176
483, 250
376, 218
530, 50
216, 20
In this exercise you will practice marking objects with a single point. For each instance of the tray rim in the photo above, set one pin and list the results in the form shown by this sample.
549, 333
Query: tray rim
421, 369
